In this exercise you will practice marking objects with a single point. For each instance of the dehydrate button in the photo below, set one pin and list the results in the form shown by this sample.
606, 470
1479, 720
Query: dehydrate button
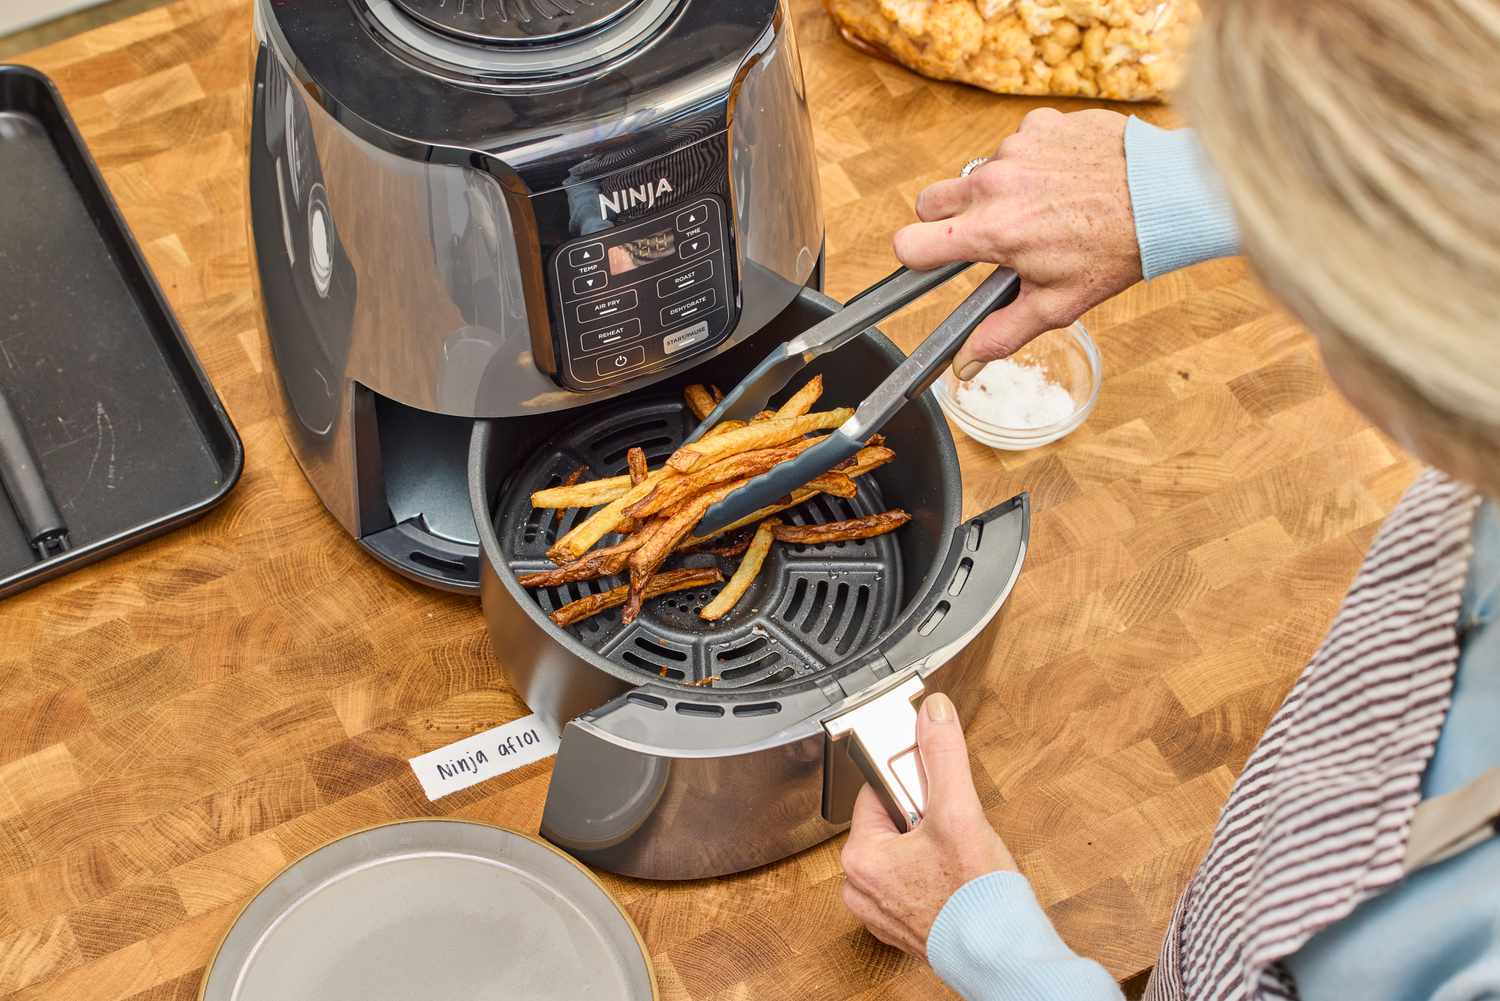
689, 307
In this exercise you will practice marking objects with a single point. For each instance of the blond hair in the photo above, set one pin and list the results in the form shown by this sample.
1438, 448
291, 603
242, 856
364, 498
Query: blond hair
1359, 141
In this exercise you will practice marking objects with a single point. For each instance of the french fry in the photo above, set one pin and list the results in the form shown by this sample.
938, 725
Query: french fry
636, 460
736, 467
673, 580
589, 494
598, 563
568, 481
645, 560
596, 526
868, 458
723, 426
764, 415
747, 439
744, 574
833, 482
728, 550
843, 531
802, 400
699, 400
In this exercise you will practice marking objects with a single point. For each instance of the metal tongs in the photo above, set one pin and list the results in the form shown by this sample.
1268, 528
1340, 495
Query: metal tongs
909, 380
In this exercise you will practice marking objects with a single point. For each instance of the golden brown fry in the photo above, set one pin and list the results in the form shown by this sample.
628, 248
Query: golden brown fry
605, 520
843, 531
723, 426
645, 560
764, 415
836, 483
699, 400
803, 399
599, 564
866, 460
636, 459
736, 467
568, 481
756, 436
744, 574
589, 494
666, 583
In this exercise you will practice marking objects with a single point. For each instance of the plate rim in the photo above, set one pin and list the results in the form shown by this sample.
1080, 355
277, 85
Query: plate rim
640, 941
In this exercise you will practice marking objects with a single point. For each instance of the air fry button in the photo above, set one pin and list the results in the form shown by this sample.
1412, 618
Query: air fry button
600, 309
622, 361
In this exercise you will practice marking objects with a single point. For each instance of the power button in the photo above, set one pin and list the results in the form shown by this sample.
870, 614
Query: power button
621, 361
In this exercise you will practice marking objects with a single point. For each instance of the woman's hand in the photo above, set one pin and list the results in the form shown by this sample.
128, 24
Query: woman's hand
896, 883
1053, 204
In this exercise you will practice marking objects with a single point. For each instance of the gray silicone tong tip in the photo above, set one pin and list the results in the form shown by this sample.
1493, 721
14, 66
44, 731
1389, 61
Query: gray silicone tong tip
906, 382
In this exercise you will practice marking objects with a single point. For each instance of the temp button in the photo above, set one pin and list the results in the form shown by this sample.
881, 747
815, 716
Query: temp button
621, 361
589, 253
590, 283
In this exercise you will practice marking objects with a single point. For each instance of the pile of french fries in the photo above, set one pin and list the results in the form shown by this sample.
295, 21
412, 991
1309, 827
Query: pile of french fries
655, 510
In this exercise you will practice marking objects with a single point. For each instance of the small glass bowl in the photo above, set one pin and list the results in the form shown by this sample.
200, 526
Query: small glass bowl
1069, 357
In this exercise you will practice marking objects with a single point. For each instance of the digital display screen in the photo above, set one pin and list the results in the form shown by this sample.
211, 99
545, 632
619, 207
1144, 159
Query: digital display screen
641, 251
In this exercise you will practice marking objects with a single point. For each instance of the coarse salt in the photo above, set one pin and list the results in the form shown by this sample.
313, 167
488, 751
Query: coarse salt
1012, 394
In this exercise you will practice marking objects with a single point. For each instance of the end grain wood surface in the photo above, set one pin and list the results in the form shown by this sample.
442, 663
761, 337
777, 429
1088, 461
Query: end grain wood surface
179, 722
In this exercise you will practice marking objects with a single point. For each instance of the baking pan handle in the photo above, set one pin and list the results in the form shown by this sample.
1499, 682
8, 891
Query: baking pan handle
880, 736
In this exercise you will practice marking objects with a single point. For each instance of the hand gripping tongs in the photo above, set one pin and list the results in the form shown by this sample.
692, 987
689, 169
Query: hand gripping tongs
909, 380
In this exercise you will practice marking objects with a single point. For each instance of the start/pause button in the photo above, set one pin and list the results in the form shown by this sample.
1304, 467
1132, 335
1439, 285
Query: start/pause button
622, 361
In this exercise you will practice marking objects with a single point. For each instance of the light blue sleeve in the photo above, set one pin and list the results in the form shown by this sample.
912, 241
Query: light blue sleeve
992, 942
1181, 214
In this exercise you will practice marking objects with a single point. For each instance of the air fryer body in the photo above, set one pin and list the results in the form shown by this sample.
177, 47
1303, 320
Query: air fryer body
667, 780
447, 229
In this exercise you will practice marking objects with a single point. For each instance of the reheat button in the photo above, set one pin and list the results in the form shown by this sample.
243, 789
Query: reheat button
621, 361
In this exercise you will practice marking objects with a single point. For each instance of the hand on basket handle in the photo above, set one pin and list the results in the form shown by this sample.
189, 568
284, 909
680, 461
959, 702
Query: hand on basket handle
897, 883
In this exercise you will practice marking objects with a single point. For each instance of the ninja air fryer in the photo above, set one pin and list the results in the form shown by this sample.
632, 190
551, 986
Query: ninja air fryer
494, 239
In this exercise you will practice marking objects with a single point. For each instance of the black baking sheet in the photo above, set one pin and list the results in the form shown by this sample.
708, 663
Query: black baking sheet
130, 436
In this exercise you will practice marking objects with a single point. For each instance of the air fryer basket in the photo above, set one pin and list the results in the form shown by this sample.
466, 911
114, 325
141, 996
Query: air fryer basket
811, 606
813, 610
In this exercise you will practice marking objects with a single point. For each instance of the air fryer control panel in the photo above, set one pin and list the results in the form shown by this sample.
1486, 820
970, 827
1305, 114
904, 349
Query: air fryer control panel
632, 297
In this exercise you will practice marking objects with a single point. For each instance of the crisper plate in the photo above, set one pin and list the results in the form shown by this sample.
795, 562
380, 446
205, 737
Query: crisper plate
440, 910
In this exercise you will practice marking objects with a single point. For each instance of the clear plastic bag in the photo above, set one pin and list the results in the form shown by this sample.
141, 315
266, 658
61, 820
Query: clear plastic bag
1124, 50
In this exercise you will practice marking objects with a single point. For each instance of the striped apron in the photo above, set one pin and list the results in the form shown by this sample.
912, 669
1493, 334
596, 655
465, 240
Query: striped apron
1322, 818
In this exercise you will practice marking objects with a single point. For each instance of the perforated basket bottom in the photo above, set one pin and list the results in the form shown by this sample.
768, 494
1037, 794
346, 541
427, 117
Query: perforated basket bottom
810, 608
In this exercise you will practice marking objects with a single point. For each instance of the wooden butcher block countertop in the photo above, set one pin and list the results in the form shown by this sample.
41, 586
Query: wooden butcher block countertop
179, 722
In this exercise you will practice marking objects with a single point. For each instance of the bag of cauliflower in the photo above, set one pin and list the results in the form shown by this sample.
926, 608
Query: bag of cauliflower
1124, 50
